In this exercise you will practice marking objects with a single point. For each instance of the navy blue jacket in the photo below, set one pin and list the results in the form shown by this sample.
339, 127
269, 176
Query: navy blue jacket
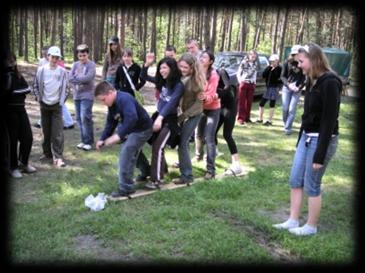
128, 115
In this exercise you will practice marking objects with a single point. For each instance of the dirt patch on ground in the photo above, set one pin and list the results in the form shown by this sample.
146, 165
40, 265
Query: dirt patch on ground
90, 243
259, 237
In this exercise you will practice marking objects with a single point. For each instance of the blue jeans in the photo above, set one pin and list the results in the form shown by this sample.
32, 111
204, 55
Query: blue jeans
128, 157
206, 131
302, 173
290, 101
84, 120
187, 129
67, 118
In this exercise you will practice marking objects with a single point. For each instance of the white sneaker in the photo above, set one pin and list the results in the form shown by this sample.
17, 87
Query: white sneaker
304, 230
290, 223
27, 168
233, 170
80, 145
16, 173
87, 147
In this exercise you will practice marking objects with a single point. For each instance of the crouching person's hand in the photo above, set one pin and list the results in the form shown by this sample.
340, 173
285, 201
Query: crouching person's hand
99, 144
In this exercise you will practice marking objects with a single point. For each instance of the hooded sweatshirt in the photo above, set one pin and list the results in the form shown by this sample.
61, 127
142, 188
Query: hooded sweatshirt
321, 110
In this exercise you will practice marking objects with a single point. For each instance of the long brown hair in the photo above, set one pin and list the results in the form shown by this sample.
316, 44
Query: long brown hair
197, 76
114, 57
318, 60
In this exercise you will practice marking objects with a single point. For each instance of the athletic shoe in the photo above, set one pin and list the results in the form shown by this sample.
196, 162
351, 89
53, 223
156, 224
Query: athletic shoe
290, 223
87, 147
16, 174
121, 193
80, 145
27, 168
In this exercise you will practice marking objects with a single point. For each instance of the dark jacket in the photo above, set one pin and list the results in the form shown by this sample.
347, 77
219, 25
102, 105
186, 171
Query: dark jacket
292, 73
16, 89
128, 115
272, 77
121, 80
226, 92
321, 110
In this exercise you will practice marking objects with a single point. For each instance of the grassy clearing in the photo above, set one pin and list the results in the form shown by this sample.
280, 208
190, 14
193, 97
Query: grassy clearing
222, 221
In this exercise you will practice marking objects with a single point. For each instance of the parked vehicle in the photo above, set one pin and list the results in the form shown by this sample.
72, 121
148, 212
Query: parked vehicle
230, 60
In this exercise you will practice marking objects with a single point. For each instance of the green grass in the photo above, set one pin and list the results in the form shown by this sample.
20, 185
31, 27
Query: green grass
222, 221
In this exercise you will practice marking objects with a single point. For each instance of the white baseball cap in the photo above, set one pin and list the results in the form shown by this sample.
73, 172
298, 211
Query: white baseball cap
295, 49
274, 57
54, 51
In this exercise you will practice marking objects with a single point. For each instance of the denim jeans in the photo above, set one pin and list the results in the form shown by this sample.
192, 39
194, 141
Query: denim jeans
84, 120
128, 156
67, 118
290, 101
187, 129
206, 131
302, 173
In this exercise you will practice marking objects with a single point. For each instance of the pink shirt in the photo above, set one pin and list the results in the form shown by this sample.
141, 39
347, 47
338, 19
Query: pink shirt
212, 101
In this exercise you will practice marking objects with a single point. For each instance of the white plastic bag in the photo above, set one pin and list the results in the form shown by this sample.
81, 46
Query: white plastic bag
96, 203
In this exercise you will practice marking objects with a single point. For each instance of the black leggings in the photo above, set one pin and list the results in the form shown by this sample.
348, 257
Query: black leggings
20, 133
263, 102
227, 118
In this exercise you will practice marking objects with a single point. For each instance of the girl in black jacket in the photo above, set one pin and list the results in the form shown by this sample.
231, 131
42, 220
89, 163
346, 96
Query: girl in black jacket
17, 120
128, 74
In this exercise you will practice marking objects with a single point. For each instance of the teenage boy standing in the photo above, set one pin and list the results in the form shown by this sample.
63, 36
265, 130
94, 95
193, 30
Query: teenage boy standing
51, 90
82, 77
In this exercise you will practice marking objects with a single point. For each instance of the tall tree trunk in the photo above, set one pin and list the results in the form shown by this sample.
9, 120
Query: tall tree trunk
338, 33
243, 32
173, 25
35, 33
102, 40
202, 18
207, 28
60, 29
332, 33
318, 36
115, 22
145, 25
283, 30
21, 33
133, 27
153, 31
230, 23
274, 40
299, 38
13, 30
26, 57
40, 31
74, 30
261, 15
122, 28
223, 29
140, 28
214, 29
88, 28
168, 27
54, 26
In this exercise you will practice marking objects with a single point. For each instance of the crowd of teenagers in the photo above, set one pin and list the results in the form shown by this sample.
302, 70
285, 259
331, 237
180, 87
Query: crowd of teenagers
193, 101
